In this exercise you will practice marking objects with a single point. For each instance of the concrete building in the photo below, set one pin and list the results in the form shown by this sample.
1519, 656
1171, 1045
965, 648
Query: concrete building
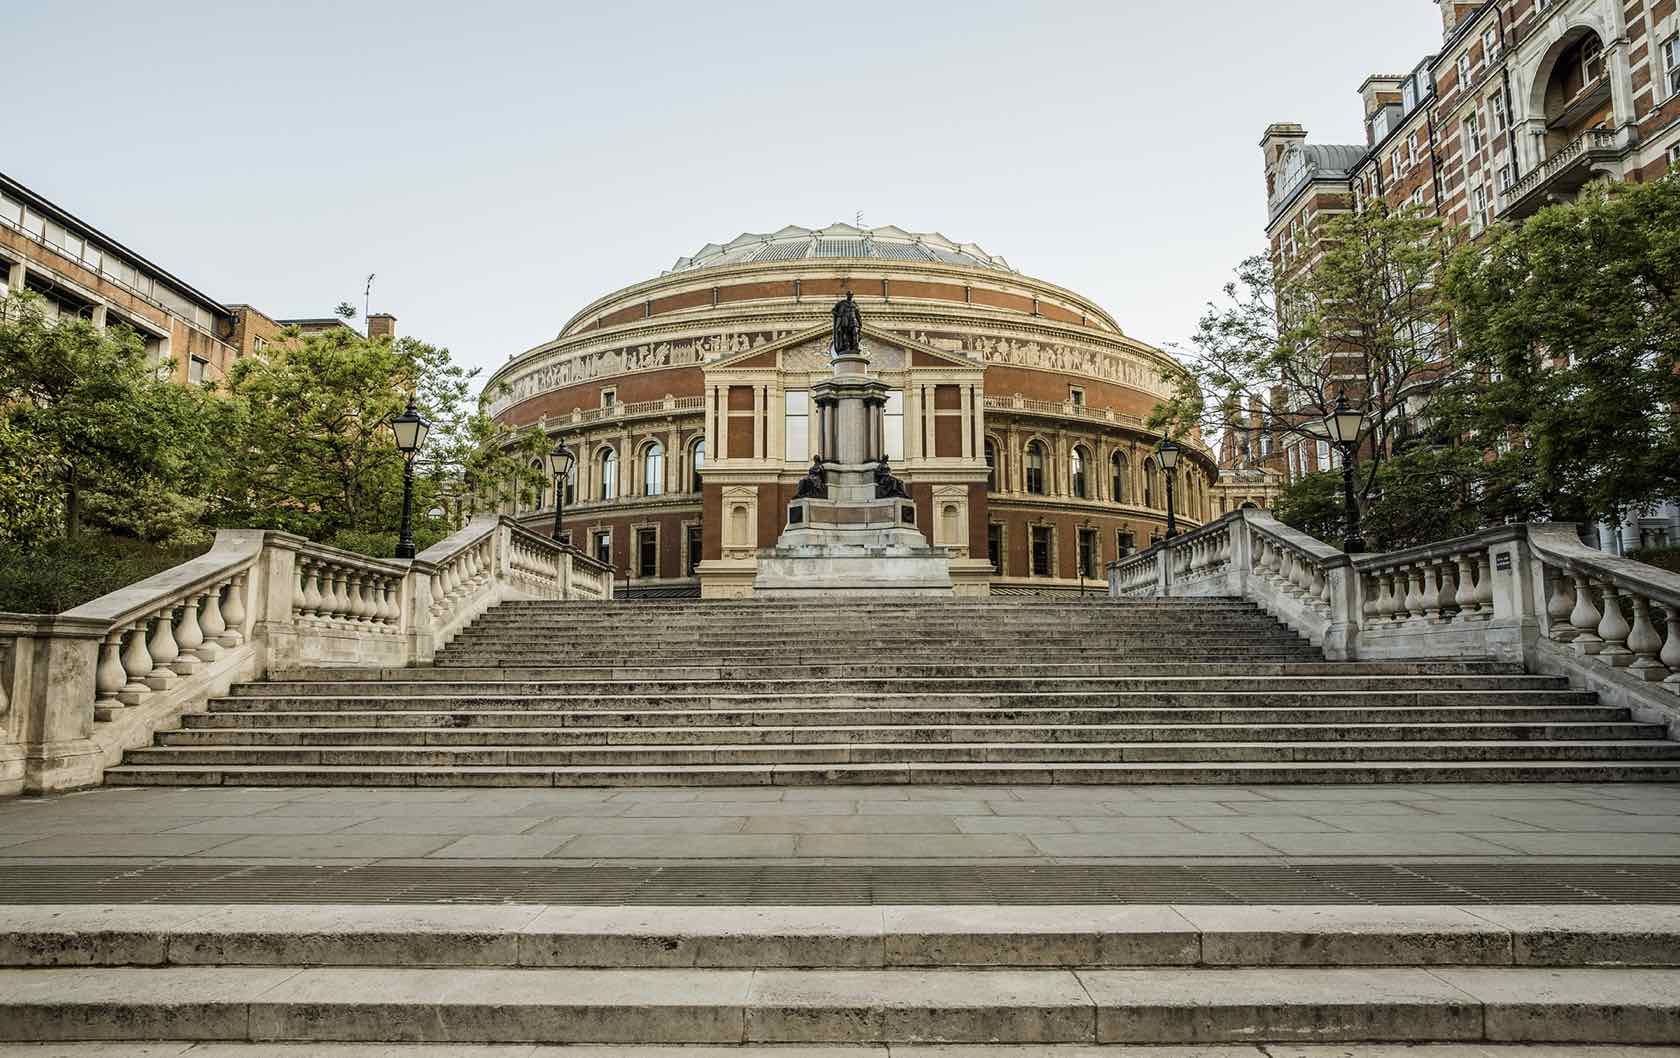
79, 270
1016, 414
1525, 103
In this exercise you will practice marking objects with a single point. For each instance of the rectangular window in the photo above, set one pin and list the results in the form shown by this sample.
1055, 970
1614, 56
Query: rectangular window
609, 397
1417, 199
1041, 551
1671, 64
695, 546
1496, 107
647, 552
10, 211
195, 370
1464, 69
1490, 43
796, 427
1125, 542
1408, 94
1323, 455
1076, 396
1592, 60
1088, 552
603, 546
893, 426
1472, 133
994, 547
1478, 207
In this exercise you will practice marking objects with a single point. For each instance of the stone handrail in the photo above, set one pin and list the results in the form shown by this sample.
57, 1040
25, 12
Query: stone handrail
636, 409
1531, 594
79, 688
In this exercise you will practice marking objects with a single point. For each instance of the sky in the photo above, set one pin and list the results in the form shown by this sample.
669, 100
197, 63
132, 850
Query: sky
497, 165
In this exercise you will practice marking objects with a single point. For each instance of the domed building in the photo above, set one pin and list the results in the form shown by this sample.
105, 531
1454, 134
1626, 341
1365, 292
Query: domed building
1016, 413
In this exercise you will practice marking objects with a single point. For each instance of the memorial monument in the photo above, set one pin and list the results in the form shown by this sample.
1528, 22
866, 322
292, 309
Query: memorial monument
851, 527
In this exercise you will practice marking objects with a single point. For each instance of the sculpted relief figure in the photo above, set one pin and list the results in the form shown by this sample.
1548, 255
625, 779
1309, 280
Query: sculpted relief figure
848, 326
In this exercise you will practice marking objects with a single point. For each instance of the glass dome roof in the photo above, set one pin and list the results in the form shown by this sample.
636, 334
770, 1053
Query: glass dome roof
794, 243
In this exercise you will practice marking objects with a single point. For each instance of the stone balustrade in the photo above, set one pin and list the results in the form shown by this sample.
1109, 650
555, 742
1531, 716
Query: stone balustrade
79, 688
1529, 594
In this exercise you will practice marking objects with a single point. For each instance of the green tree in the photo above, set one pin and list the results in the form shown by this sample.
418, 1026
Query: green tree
1421, 495
88, 419
318, 457
1570, 326
1364, 315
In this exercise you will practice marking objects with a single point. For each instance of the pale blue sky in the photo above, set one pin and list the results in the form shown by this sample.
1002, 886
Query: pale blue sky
499, 164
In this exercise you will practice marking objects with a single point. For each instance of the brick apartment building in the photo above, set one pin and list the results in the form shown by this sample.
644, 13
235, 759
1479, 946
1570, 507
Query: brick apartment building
79, 270
1525, 103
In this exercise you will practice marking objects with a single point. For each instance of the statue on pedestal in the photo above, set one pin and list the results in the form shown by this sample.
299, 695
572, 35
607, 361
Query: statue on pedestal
886, 485
813, 485
848, 326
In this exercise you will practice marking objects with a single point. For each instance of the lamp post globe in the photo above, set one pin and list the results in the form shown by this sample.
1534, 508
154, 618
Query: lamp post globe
1343, 424
1167, 453
560, 463
410, 429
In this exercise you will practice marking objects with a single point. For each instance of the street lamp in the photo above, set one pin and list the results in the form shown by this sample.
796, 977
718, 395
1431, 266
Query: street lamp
560, 463
1168, 454
411, 430
1343, 425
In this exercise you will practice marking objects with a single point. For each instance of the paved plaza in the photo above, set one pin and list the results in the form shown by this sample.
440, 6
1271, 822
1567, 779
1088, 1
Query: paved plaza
1045, 824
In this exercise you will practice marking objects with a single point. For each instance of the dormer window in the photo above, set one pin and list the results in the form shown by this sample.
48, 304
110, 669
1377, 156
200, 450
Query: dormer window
1408, 94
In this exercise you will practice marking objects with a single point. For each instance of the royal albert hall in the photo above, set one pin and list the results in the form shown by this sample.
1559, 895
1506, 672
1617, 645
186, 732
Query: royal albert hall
1016, 413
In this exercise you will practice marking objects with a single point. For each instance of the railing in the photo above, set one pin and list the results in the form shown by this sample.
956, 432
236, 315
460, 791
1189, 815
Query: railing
1557, 161
1530, 594
636, 409
79, 688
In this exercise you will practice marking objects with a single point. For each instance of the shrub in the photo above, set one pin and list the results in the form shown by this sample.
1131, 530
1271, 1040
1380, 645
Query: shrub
1662, 557
58, 575
384, 545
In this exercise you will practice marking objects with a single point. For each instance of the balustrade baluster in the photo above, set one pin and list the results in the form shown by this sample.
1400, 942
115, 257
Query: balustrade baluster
234, 612
213, 624
110, 678
1484, 588
1430, 597
311, 600
1385, 595
1318, 589
1465, 596
360, 607
1644, 643
1447, 596
1558, 607
1412, 605
189, 637
1585, 617
163, 650
137, 665
1613, 629
1670, 656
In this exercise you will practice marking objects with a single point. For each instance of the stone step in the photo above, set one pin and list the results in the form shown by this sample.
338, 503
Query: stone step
953, 773
907, 700
1112, 733
374, 677
858, 937
457, 1005
525, 718
655, 755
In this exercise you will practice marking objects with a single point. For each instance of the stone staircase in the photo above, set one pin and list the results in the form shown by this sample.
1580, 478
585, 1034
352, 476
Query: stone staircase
1031, 976
998, 691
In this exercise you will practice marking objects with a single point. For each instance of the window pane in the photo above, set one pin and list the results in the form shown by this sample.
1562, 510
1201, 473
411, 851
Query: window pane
653, 471
796, 427
893, 425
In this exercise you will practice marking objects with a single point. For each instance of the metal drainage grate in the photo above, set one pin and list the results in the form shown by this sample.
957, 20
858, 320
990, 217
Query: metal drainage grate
845, 885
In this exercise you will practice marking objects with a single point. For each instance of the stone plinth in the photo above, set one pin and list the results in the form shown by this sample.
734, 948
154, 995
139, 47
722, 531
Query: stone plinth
849, 541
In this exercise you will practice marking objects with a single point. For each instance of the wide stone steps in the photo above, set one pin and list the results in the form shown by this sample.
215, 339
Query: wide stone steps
1523, 751
1030, 976
845, 735
680, 693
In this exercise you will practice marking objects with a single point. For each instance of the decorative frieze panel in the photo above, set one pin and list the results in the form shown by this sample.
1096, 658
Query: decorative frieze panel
1085, 361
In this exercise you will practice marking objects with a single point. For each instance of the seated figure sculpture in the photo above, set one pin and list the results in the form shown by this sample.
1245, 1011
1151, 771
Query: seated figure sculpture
886, 485
813, 485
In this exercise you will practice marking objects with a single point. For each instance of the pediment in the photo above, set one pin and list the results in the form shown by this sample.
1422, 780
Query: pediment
808, 352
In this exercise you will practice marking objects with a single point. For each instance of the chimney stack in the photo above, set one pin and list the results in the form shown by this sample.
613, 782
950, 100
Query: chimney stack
381, 325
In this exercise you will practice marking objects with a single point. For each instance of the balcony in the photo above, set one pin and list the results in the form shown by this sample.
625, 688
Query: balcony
1560, 177
642, 409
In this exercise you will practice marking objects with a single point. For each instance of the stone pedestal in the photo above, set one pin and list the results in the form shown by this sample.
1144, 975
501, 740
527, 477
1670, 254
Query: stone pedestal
849, 541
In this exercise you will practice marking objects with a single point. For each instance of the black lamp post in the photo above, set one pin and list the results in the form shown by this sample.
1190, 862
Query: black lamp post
1343, 425
411, 430
560, 463
1168, 454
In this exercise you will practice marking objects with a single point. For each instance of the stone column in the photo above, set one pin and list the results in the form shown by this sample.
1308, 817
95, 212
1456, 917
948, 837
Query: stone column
758, 422
968, 448
912, 414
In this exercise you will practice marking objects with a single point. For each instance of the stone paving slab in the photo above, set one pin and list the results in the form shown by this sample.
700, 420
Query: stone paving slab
1604, 821
181, 1049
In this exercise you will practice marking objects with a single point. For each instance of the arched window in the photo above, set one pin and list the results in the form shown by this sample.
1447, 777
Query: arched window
696, 462
1035, 468
1149, 482
991, 466
1117, 471
540, 472
571, 484
609, 473
653, 469
1081, 486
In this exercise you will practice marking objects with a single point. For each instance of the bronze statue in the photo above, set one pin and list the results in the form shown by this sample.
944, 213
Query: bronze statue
812, 485
848, 326
887, 486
